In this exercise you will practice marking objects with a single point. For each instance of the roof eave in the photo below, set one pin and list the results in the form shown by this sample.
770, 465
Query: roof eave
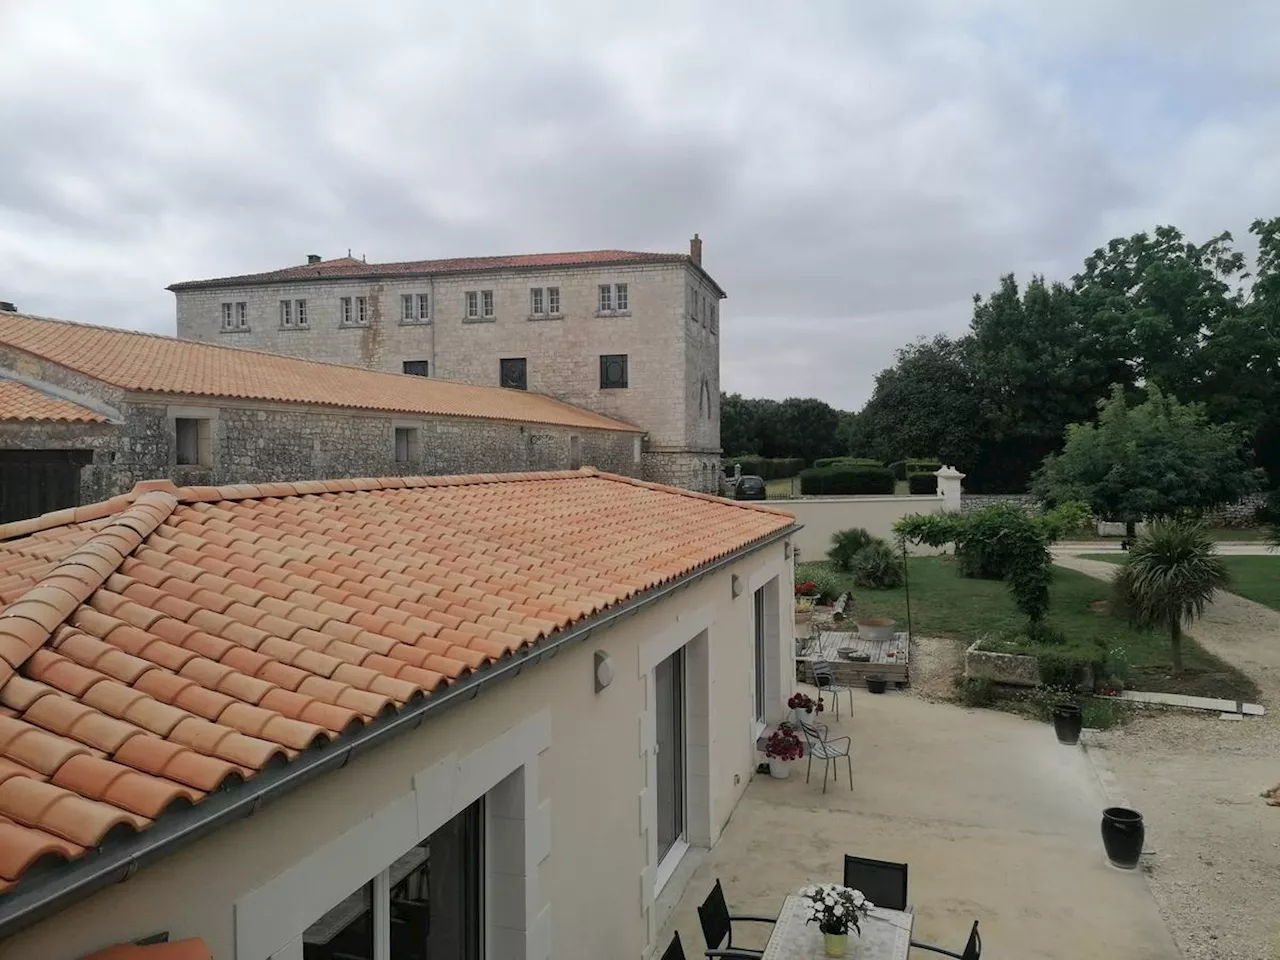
81, 878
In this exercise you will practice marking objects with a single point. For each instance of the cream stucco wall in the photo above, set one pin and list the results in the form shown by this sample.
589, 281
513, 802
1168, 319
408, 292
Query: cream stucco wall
589, 889
823, 516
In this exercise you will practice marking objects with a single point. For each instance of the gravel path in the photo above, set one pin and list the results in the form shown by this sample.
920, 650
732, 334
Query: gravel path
1213, 843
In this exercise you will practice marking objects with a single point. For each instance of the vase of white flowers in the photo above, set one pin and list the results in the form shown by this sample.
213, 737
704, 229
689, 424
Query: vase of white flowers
836, 910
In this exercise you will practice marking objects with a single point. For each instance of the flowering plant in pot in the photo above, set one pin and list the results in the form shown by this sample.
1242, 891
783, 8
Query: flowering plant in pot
804, 706
781, 748
835, 909
806, 596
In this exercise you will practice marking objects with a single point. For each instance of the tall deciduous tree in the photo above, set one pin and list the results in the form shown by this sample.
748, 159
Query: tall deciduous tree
1160, 458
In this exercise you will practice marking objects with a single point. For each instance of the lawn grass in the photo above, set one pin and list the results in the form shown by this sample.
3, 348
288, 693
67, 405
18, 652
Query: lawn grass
945, 604
1254, 578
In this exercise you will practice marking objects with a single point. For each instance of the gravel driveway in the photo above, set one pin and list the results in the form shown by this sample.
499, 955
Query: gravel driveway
1213, 843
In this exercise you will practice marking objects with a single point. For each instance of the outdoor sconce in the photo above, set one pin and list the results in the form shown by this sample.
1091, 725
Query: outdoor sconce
786, 549
737, 585
604, 670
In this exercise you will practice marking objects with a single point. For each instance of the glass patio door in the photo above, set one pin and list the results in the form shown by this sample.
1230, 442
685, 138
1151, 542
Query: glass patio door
669, 705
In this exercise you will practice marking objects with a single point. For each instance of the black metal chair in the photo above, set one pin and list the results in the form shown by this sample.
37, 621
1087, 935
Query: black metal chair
676, 952
972, 949
883, 882
717, 924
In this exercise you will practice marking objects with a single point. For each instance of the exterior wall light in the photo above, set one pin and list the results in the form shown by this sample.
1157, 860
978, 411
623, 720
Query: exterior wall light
604, 670
737, 585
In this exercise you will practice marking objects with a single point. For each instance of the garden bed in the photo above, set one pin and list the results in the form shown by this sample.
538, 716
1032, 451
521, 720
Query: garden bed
1011, 669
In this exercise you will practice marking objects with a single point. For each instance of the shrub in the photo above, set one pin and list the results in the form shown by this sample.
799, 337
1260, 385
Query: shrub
877, 567
846, 480
1076, 668
846, 462
931, 529
827, 584
975, 691
777, 468
922, 483
845, 544
903, 469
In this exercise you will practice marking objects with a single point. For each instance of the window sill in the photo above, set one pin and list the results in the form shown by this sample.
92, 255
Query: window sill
291, 328
613, 386
415, 323
613, 313
546, 316
353, 326
239, 330
479, 319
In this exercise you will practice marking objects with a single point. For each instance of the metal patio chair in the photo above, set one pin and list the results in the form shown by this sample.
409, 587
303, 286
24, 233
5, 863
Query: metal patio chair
676, 952
883, 882
824, 678
717, 924
972, 949
817, 745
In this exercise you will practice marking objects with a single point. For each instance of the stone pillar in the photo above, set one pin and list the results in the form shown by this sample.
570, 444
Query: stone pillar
949, 488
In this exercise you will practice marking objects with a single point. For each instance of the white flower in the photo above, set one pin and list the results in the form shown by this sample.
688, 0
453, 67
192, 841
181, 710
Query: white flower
839, 910
858, 898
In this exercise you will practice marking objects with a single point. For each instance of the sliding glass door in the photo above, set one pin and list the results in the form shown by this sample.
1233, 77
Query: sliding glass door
669, 707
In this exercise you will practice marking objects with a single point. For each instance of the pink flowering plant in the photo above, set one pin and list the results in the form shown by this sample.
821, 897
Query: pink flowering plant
834, 908
783, 744
802, 701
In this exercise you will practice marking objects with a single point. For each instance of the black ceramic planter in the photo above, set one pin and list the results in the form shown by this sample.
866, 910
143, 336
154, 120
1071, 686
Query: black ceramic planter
1067, 721
1122, 835
876, 684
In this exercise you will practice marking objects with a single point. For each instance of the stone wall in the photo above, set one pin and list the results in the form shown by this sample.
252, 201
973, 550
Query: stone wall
1243, 513
976, 501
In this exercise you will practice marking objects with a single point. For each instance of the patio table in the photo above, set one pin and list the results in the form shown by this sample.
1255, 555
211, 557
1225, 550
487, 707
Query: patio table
886, 935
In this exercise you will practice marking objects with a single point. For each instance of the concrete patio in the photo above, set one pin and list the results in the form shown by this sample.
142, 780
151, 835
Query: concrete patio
996, 820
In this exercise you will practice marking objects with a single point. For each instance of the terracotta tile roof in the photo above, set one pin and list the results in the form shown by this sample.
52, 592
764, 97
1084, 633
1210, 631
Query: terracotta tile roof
21, 402
152, 363
174, 642
177, 950
345, 268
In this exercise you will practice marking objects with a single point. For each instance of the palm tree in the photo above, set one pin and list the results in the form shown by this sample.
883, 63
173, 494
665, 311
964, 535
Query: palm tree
1172, 574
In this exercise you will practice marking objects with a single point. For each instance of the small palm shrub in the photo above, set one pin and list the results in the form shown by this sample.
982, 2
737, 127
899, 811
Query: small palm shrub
845, 544
877, 567
1173, 573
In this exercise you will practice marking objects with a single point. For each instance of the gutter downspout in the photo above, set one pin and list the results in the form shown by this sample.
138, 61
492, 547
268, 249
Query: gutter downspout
111, 865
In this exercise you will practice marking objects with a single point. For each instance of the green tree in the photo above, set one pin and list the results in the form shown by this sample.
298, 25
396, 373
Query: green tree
738, 429
1172, 575
810, 429
1157, 459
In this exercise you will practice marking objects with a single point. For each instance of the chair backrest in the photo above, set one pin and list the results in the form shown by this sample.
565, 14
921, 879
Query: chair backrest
823, 675
675, 951
972, 949
883, 882
713, 914
810, 732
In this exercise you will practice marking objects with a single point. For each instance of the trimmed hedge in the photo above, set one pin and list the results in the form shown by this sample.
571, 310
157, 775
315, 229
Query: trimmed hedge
902, 469
846, 462
846, 480
777, 468
922, 483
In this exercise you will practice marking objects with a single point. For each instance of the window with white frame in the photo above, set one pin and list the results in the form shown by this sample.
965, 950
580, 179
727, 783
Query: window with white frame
553, 301
300, 311
227, 322
486, 303
362, 311
406, 307
537, 302
473, 305
424, 306
428, 903
613, 298
344, 311
286, 313
605, 302
242, 315
621, 297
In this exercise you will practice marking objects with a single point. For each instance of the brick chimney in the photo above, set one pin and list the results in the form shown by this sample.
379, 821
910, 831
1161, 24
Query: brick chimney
7, 307
695, 249
313, 258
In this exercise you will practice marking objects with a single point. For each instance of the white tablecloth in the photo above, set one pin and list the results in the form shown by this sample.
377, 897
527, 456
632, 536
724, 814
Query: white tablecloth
886, 935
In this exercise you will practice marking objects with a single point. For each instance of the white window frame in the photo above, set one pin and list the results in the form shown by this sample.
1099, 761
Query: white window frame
406, 308
286, 314
472, 307
537, 302
604, 298
621, 298
362, 311
344, 311
228, 320
242, 315
486, 304
553, 301
424, 307
300, 312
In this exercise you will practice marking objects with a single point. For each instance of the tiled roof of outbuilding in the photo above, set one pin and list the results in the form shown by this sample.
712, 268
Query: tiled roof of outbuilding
23, 403
149, 362
173, 642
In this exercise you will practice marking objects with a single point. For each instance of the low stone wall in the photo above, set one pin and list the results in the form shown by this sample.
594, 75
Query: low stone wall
1007, 668
1241, 514
976, 501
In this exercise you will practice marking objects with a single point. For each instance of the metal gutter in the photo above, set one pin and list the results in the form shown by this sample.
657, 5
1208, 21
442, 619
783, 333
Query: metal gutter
91, 873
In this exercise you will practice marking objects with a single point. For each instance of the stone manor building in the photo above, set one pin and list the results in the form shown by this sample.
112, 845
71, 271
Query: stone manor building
632, 336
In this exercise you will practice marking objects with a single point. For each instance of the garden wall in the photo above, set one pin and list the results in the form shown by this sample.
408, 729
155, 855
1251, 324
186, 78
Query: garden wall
823, 516
1242, 513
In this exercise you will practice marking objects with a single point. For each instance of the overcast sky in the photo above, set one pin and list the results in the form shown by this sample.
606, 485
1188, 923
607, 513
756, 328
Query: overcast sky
857, 170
